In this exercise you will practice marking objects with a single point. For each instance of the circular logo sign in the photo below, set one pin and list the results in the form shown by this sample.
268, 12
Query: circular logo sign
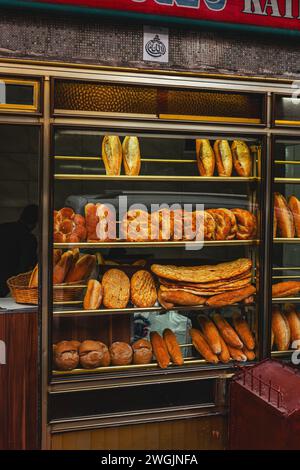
155, 47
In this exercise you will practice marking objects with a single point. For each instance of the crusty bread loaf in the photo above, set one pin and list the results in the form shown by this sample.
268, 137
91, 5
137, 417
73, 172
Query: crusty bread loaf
93, 296
237, 354
202, 346
211, 333
179, 297
61, 269
93, 354
112, 154
142, 351
225, 354
143, 289
173, 347
121, 354
205, 157
116, 289
294, 205
34, 278
229, 298
224, 159
284, 217
160, 350
242, 160
285, 289
243, 330
131, 155
227, 332
82, 269
281, 330
293, 321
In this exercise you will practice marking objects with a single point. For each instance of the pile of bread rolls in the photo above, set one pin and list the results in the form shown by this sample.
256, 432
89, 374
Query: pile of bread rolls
224, 157
218, 341
68, 227
285, 327
170, 225
90, 354
286, 216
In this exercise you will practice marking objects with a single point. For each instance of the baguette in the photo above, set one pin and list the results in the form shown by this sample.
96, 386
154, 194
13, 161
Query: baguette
225, 354
294, 205
173, 347
286, 288
229, 298
34, 278
242, 328
281, 330
284, 217
293, 321
166, 305
205, 157
160, 350
202, 346
62, 268
249, 354
227, 332
223, 157
112, 154
241, 158
82, 269
237, 354
93, 296
210, 333
56, 256
131, 155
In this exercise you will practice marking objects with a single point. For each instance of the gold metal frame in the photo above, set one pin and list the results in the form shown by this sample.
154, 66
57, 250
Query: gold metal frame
22, 107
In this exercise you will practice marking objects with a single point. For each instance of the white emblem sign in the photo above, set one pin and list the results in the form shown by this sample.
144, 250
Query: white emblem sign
156, 44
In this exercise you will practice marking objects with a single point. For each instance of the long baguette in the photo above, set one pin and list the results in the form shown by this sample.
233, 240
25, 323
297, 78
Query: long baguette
285, 289
225, 354
293, 321
237, 354
229, 298
160, 350
211, 334
284, 216
202, 346
61, 269
242, 328
173, 347
249, 354
227, 332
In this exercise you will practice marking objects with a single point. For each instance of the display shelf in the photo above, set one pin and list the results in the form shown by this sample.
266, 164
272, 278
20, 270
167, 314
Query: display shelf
286, 240
220, 179
131, 310
279, 300
168, 244
287, 180
279, 354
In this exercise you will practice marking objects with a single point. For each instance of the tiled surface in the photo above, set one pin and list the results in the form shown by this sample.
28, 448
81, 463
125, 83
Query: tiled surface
95, 41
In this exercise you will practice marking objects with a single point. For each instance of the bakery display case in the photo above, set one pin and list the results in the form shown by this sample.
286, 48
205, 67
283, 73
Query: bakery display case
286, 269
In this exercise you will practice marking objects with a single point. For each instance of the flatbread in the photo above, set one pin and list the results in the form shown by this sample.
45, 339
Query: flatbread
206, 285
205, 273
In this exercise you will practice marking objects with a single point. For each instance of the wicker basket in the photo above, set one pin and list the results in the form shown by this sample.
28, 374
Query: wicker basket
21, 293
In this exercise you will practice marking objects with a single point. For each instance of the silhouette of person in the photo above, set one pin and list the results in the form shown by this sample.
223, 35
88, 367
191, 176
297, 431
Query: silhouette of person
18, 246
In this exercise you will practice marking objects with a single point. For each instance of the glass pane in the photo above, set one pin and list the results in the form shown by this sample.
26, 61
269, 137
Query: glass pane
287, 110
16, 95
286, 262
127, 255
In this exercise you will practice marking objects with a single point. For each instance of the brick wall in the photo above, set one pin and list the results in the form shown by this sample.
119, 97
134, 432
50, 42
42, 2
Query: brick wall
95, 41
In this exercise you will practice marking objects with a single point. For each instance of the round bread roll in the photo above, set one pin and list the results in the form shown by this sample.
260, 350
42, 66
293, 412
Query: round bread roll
142, 352
142, 289
66, 355
93, 354
121, 354
116, 289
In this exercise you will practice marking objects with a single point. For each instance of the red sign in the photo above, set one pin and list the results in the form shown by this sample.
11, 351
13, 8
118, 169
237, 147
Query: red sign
276, 14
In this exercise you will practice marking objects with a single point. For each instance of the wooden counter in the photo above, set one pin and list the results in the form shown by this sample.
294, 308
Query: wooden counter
19, 379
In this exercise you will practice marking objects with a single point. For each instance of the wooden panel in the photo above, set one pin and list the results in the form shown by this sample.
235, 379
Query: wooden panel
206, 433
18, 381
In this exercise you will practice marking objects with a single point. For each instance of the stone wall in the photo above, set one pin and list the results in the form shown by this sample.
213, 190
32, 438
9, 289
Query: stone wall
92, 40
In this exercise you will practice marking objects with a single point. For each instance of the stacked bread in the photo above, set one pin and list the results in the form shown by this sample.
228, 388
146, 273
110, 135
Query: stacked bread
224, 157
68, 226
285, 327
286, 216
212, 285
218, 341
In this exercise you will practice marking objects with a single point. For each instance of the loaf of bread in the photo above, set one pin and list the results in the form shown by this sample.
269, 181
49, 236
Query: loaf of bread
205, 157
246, 224
121, 354
222, 221
62, 268
93, 354
237, 354
294, 205
173, 347
82, 269
68, 226
227, 332
285, 289
100, 222
250, 355
34, 278
202, 346
131, 155
179, 297
93, 296
210, 333
293, 321
160, 350
116, 289
243, 330
284, 217
66, 356
143, 289
229, 298
142, 351
112, 155
242, 160
281, 330
225, 354
223, 157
